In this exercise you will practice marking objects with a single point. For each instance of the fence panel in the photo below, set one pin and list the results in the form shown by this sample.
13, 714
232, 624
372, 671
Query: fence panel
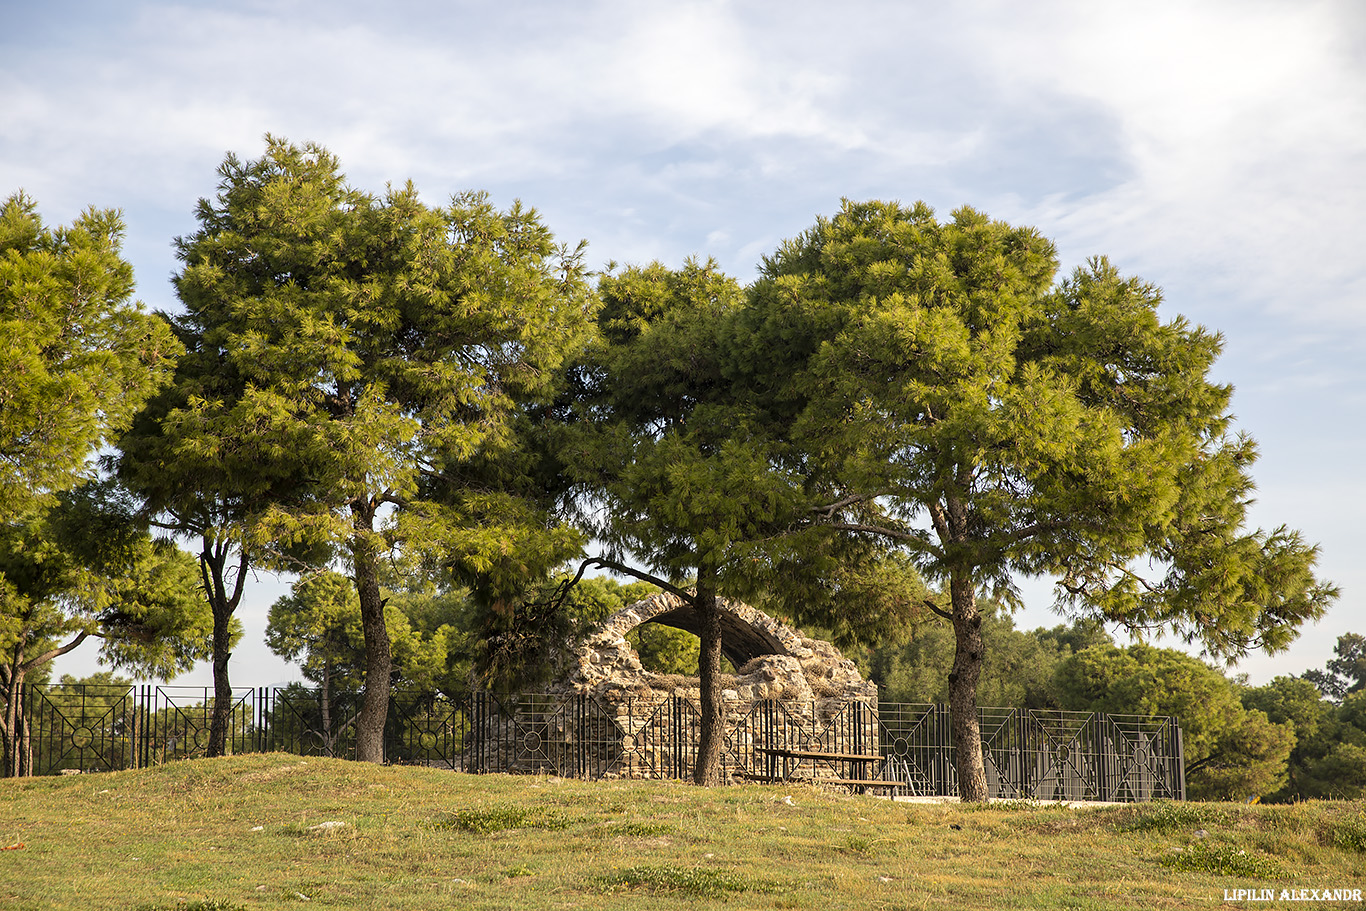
179, 718
1028, 754
77, 727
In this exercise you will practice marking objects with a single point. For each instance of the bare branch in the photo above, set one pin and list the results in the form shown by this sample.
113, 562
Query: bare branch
937, 609
58, 652
615, 566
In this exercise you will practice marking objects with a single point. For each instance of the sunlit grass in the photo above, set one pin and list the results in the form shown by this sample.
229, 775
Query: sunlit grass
244, 833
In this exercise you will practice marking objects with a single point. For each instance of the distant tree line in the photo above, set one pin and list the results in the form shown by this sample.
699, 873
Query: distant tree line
439, 419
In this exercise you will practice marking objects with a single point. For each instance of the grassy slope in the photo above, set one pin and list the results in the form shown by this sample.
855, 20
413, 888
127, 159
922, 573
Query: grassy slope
185, 836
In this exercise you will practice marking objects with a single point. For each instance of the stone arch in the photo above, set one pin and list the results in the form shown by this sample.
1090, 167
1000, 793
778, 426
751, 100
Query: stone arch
771, 656
746, 633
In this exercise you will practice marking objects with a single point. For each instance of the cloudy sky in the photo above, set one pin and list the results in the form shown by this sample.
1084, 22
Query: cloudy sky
1217, 149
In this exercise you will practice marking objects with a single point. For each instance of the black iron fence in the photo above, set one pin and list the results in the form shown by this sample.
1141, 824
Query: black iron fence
908, 749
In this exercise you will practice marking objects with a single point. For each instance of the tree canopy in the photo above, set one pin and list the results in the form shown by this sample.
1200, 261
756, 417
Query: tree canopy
87, 568
380, 342
996, 424
900, 418
79, 355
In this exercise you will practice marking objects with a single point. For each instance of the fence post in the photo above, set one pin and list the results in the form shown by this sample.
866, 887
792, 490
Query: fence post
1178, 765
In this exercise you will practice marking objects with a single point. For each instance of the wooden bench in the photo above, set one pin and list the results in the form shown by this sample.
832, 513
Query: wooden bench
858, 765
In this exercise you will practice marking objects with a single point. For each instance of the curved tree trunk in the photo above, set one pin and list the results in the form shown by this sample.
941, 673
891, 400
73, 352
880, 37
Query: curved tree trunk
378, 661
707, 772
967, 670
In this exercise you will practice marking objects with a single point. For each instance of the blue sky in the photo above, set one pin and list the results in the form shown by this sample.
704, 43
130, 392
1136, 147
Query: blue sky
1217, 149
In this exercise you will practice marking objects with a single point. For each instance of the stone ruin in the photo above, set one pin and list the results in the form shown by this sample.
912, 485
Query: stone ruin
774, 660
790, 692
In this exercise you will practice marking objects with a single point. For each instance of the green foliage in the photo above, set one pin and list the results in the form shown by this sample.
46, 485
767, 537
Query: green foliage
1018, 670
692, 881
88, 567
1036, 428
657, 439
1345, 673
595, 598
1329, 756
319, 624
1222, 860
664, 650
80, 357
486, 820
373, 336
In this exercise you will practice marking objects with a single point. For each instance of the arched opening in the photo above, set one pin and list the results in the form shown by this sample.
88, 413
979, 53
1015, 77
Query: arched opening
741, 642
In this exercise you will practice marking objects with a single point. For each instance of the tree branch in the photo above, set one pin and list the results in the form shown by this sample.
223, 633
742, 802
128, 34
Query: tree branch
58, 652
895, 534
605, 563
240, 580
830, 509
938, 610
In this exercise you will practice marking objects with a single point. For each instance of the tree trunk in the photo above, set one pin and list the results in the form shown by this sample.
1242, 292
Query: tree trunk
25, 746
707, 772
967, 670
212, 567
325, 707
13, 713
222, 686
378, 662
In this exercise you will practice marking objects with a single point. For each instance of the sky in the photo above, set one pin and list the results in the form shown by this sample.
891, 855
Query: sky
1216, 149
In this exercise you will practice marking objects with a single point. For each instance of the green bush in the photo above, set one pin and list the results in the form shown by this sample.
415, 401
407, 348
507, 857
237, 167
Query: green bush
683, 880
1222, 860
499, 819
1350, 835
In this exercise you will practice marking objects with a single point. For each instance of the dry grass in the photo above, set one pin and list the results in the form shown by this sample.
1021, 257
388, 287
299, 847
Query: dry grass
239, 833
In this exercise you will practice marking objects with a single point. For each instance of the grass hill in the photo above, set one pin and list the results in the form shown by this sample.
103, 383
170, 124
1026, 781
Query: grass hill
280, 831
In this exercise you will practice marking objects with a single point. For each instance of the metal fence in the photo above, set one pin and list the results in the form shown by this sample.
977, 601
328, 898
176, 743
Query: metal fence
1029, 754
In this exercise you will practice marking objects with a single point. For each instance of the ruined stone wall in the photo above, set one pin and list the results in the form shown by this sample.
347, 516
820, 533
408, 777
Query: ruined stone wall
794, 693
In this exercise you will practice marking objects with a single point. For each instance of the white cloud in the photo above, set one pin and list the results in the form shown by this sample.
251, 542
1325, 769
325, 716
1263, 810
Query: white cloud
1245, 127
1215, 147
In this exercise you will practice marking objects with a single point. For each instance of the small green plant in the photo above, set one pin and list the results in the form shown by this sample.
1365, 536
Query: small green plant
683, 880
519, 870
1167, 818
637, 829
1222, 860
1350, 835
857, 844
499, 819
1017, 806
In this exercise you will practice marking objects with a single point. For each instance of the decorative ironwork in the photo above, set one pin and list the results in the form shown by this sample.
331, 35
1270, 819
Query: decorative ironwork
1044, 755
